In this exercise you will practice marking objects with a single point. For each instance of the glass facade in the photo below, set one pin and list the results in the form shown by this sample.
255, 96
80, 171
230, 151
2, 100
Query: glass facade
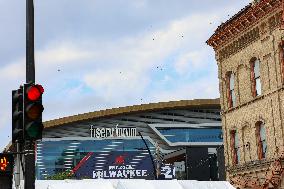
56, 157
117, 158
192, 134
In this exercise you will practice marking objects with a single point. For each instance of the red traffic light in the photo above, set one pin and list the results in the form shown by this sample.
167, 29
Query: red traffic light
35, 92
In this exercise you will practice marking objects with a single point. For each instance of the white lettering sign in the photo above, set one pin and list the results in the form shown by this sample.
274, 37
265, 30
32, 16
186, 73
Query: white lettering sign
112, 132
126, 171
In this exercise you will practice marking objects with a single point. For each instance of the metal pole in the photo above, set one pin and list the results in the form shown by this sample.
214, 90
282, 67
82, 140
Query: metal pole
29, 158
29, 166
18, 167
30, 61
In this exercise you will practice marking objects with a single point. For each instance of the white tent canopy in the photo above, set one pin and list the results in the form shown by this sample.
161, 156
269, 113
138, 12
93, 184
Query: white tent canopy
131, 184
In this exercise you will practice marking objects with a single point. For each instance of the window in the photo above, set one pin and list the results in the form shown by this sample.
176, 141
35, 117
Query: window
255, 78
261, 140
235, 147
231, 89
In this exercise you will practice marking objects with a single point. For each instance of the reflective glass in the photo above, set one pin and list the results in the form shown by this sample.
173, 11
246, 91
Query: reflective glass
262, 132
263, 138
236, 140
192, 134
233, 97
232, 82
56, 157
258, 86
256, 69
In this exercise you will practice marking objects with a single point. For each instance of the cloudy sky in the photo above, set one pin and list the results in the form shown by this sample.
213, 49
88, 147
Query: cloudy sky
97, 54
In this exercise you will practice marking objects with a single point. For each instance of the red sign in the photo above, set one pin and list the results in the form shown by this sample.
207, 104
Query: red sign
119, 160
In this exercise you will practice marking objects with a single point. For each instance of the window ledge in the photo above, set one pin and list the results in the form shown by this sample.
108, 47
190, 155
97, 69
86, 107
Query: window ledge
252, 165
251, 101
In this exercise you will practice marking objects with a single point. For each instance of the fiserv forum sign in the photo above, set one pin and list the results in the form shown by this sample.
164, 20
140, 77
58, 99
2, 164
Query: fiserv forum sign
115, 132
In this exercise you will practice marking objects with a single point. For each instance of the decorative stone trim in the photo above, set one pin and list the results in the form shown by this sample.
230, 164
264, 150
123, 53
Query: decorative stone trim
272, 177
245, 40
249, 16
239, 44
253, 165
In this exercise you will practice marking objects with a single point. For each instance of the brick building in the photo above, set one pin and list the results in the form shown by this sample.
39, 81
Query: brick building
249, 50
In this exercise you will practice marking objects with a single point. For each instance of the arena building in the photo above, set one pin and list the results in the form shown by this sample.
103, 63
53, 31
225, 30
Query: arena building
177, 139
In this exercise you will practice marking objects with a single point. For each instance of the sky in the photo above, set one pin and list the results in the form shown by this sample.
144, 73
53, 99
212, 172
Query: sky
98, 54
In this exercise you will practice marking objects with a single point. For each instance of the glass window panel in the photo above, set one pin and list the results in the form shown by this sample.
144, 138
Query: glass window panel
256, 69
233, 97
232, 82
264, 148
262, 132
238, 154
236, 140
258, 86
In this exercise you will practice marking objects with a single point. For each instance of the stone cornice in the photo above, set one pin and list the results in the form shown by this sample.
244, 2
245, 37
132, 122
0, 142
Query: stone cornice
242, 21
250, 166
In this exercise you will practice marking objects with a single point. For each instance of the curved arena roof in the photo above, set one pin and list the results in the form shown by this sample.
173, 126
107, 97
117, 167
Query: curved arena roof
196, 103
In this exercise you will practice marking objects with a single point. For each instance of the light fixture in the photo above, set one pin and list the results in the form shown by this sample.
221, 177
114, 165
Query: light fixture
98, 157
69, 152
140, 156
117, 142
112, 145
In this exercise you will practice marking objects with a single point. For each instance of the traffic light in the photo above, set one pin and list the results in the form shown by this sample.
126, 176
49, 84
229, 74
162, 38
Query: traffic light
33, 109
6, 164
17, 115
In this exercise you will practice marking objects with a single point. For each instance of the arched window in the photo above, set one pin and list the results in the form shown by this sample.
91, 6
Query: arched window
261, 140
281, 59
255, 77
235, 147
231, 89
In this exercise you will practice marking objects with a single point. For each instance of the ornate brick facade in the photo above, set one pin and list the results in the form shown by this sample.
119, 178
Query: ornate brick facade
253, 34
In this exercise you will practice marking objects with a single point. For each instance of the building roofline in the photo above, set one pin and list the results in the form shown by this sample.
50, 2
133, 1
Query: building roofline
246, 17
133, 109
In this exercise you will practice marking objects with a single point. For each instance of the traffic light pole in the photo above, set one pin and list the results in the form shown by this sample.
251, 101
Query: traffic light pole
18, 167
29, 157
30, 61
29, 165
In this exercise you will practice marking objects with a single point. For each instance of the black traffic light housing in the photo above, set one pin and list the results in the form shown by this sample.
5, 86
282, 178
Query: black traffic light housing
33, 109
17, 115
